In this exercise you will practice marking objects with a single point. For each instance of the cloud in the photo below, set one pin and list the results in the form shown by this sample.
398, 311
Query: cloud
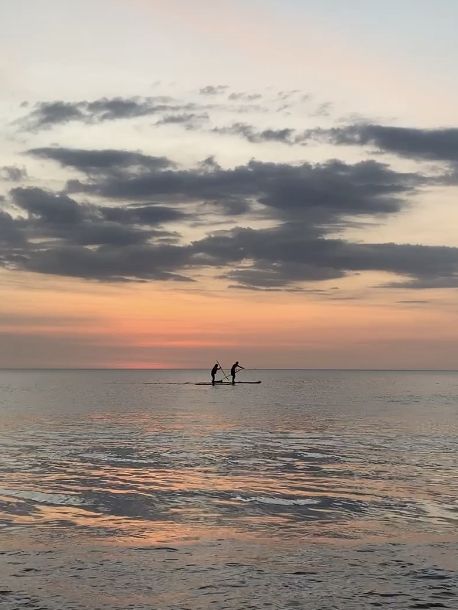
322, 194
55, 222
102, 161
244, 96
53, 233
189, 120
250, 133
286, 254
11, 173
322, 110
304, 204
288, 94
188, 111
425, 281
110, 263
50, 207
152, 214
109, 109
421, 144
11, 233
265, 275
51, 214
213, 89
45, 115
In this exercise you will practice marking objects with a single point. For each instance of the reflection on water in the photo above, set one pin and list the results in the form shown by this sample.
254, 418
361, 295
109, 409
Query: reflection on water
327, 468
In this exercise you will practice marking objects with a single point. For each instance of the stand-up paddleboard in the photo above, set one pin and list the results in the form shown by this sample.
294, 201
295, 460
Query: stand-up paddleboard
224, 382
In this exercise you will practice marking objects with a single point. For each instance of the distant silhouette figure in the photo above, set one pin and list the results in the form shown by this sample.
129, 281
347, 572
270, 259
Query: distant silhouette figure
214, 371
234, 368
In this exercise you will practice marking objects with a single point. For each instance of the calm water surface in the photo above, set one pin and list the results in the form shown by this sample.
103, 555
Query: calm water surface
315, 489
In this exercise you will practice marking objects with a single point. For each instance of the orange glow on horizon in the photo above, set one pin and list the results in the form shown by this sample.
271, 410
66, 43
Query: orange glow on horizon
71, 323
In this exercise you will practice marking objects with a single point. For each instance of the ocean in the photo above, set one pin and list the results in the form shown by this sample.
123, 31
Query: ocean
314, 490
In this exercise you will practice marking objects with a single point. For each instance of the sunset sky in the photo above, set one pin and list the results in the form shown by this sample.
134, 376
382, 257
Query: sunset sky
272, 181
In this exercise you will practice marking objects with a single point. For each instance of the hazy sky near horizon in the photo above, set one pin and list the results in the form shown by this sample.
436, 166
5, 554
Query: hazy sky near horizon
273, 182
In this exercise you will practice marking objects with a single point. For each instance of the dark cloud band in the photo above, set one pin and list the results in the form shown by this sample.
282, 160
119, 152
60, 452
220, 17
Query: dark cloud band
131, 239
421, 144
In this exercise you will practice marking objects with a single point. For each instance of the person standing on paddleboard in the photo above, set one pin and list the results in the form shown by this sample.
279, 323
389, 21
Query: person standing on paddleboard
234, 368
214, 371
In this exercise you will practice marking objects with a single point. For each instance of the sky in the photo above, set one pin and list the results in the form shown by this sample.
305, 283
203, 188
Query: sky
267, 181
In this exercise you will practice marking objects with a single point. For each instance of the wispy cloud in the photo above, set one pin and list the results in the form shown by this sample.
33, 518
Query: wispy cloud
213, 89
250, 133
45, 115
12, 173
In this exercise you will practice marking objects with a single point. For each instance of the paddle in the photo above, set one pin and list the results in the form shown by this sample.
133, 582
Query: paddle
222, 370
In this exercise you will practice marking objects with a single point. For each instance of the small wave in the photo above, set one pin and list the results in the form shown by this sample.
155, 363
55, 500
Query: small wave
278, 500
42, 497
312, 454
109, 458
444, 512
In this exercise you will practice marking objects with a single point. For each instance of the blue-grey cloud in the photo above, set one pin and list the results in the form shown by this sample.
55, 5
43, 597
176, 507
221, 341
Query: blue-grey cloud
11, 232
324, 193
288, 253
101, 160
415, 143
51, 207
111, 263
57, 218
53, 233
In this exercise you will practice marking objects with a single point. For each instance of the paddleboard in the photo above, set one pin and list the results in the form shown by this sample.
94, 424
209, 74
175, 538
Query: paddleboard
224, 382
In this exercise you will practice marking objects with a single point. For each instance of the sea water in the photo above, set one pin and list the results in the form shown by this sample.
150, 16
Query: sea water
313, 490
